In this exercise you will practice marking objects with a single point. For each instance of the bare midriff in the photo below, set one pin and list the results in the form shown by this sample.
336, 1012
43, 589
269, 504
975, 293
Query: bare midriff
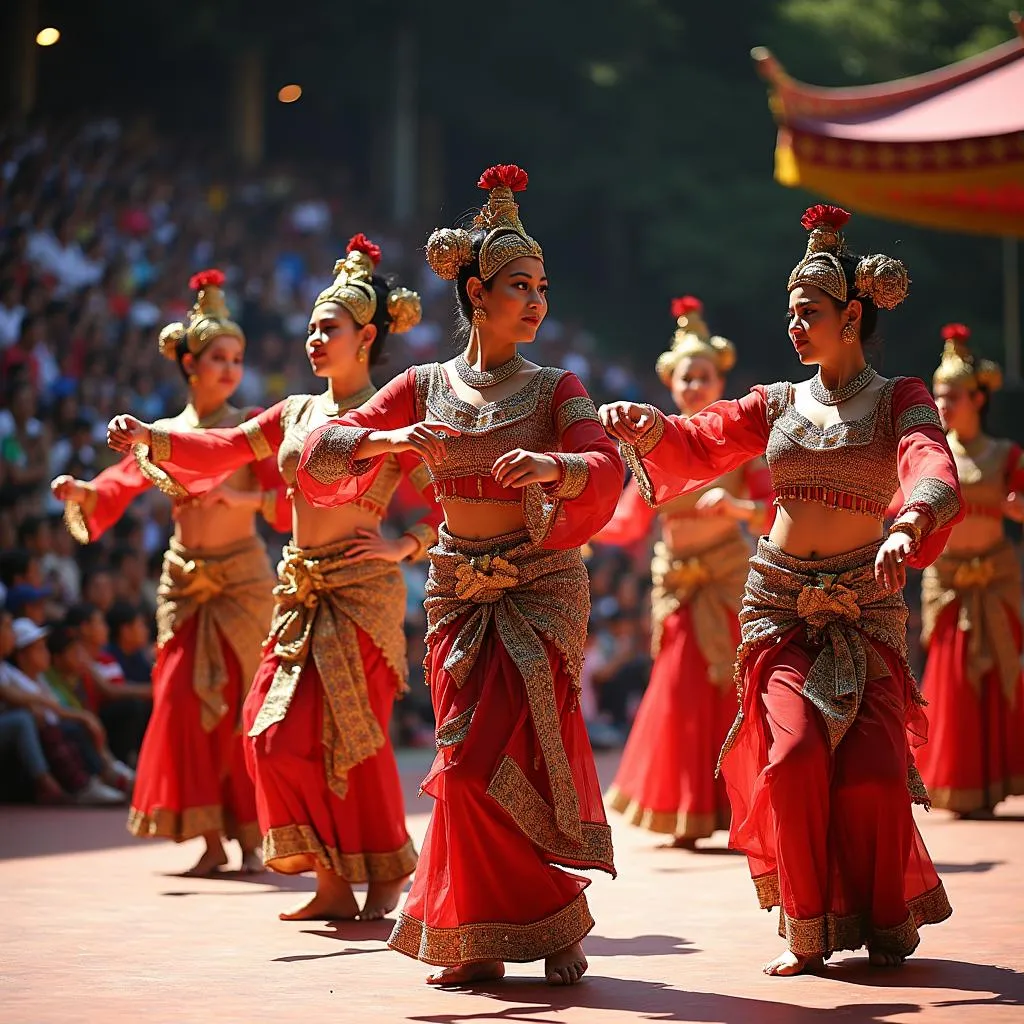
206, 528
690, 535
321, 527
480, 520
806, 529
974, 535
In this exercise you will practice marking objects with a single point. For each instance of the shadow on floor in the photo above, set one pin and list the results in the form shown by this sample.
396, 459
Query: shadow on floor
638, 945
979, 867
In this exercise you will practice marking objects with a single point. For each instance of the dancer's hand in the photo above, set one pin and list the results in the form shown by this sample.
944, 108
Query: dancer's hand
427, 439
370, 544
518, 468
67, 488
626, 421
124, 431
890, 567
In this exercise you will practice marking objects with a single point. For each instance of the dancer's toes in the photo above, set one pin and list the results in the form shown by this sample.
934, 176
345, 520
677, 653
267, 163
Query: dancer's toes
252, 863
465, 974
325, 906
382, 898
566, 967
881, 958
789, 964
209, 864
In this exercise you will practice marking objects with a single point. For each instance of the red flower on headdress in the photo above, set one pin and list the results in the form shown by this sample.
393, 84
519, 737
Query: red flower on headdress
686, 304
206, 277
956, 332
822, 215
509, 175
360, 243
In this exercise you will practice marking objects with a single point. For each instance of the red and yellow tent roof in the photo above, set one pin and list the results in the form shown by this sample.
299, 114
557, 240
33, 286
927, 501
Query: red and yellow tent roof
943, 149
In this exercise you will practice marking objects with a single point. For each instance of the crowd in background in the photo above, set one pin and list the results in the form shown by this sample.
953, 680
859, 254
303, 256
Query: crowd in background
101, 226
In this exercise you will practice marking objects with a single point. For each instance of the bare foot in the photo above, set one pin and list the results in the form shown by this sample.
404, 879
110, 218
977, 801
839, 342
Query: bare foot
566, 967
252, 863
382, 898
465, 974
680, 843
789, 964
212, 860
880, 958
332, 901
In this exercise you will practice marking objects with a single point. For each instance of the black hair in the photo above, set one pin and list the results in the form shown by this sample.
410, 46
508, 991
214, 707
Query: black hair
463, 307
29, 528
121, 614
120, 553
79, 614
381, 318
869, 338
60, 638
13, 564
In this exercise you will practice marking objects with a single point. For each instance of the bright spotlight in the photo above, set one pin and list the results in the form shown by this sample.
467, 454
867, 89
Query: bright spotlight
289, 93
47, 36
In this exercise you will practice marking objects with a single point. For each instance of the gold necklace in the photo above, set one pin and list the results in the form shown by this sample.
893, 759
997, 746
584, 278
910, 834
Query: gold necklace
481, 379
854, 386
350, 402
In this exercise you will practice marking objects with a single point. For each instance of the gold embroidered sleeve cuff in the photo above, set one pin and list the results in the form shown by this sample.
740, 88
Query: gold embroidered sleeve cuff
332, 456
146, 459
574, 477
425, 536
420, 478
76, 515
917, 416
634, 456
575, 410
935, 498
257, 439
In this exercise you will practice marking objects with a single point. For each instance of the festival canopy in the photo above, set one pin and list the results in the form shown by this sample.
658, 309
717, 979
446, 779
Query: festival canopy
943, 149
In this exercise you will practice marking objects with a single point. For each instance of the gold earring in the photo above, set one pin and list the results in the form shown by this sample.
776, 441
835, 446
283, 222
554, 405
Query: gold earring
479, 316
361, 354
193, 379
849, 334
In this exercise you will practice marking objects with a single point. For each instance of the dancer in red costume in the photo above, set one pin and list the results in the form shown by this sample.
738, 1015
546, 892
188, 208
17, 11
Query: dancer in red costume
818, 764
327, 787
970, 600
525, 475
214, 602
666, 779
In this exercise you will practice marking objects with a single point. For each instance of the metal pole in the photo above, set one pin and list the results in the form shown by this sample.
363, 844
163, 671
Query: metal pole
404, 148
1011, 310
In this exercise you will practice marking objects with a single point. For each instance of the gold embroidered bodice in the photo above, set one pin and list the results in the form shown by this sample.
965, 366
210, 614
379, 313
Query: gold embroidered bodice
301, 415
849, 465
488, 432
981, 465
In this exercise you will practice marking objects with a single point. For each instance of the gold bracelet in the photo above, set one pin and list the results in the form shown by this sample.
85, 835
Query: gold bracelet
912, 530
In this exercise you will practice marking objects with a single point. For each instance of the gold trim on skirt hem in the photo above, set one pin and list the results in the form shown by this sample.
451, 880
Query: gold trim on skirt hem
180, 826
669, 823
493, 940
963, 801
828, 933
293, 841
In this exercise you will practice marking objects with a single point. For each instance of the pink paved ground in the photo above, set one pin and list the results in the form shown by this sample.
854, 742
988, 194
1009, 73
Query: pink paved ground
95, 928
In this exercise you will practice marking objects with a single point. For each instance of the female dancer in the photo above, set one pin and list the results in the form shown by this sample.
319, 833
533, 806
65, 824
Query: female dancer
524, 475
970, 600
818, 763
214, 601
666, 778
327, 787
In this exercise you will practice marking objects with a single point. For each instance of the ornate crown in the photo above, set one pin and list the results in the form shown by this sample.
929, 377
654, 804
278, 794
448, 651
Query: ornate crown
692, 338
353, 280
958, 365
451, 249
208, 318
880, 278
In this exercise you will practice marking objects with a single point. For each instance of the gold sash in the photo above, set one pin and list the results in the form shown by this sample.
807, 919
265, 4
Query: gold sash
321, 599
530, 595
229, 589
711, 583
987, 586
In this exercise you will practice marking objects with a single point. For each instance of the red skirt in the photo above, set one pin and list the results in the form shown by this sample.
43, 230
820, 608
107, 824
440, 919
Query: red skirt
975, 752
829, 835
304, 823
666, 778
190, 782
487, 887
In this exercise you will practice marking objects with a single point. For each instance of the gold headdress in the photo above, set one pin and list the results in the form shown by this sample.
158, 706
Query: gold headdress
451, 249
208, 318
353, 289
958, 365
879, 278
692, 338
